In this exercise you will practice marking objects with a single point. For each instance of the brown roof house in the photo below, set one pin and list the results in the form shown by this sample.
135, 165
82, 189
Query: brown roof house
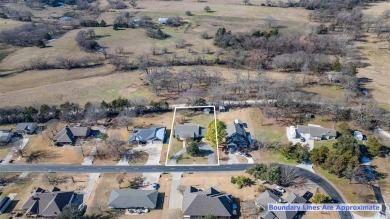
47, 204
69, 135
198, 203
268, 197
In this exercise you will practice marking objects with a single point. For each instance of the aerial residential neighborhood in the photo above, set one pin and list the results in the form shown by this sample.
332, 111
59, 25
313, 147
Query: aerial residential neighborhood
199, 109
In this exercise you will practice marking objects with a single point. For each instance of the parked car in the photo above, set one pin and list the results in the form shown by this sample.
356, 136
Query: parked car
240, 153
155, 186
247, 155
276, 192
303, 139
280, 189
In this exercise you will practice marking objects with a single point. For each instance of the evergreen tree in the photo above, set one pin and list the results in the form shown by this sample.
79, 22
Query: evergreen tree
374, 147
102, 23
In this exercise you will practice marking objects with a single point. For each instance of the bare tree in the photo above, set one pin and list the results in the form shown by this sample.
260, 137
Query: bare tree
51, 129
289, 176
246, 2
124, 121
53, 179
133, 3
18, 147
120, 178
116, 147
181, 189
94, 112
137, 182
120, 50
270, 22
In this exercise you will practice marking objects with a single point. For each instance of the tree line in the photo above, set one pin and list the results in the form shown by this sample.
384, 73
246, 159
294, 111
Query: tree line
73, 112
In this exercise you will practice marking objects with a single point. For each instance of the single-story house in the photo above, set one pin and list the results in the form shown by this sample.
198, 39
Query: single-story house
69, 135
237, 137
163, 20
5, 136
189, 130
315, 132
132, 198
26, 127
358, 135
47, 204
198, 203
148, 135
268, 197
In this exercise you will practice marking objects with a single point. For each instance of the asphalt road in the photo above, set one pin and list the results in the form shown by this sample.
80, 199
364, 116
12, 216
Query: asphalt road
332, 192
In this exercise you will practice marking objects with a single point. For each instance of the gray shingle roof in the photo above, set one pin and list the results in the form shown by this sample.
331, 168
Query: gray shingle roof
47, 203
203, 203
265, 198
189, 130
268, 197
68, 134
5, 136
28, 127
133, 198
294, 198
315, 131
148, 134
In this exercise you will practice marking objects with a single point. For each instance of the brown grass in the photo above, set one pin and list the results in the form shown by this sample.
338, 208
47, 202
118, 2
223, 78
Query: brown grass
50, 154
220, 181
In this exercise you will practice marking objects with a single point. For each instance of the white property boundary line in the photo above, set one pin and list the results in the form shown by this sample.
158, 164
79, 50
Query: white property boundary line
170, 136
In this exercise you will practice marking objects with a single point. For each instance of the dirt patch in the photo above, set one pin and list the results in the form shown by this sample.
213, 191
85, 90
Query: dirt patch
221, 182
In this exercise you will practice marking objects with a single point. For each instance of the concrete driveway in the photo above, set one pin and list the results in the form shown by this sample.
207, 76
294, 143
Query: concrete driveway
150, 178
309, 142
209, 151
232, 159
153, 149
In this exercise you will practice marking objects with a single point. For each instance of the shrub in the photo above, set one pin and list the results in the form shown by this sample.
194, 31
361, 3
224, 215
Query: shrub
156, 33
319, 198
261, 189
188, 13
193, 149
205, 35
207, 9
175, 21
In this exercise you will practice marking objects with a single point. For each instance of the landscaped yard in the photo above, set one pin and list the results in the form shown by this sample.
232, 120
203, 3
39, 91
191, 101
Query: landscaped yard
195, 117
188, 159
174, 147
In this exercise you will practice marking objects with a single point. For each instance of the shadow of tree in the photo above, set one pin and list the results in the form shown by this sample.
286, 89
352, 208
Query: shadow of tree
40, 155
